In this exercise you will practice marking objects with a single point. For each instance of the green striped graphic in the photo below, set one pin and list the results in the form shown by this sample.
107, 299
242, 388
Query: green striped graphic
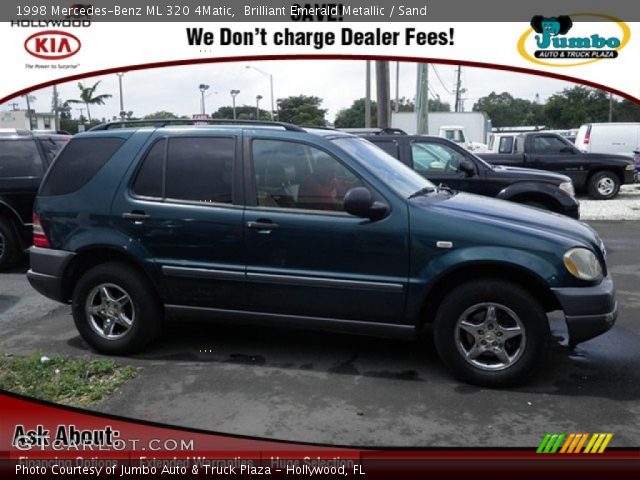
550, 443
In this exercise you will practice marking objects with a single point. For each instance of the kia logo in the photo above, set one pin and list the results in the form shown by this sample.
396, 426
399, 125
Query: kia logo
52, 45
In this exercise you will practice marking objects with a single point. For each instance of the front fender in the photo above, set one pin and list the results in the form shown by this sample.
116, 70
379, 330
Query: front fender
543, 270
540, 189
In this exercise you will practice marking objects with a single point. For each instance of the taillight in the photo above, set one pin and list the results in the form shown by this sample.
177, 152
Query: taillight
39, 237
587, 136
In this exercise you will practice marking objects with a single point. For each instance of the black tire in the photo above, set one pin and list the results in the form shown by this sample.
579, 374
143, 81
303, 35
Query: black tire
143, 308
466, 298
10, 252
603, 185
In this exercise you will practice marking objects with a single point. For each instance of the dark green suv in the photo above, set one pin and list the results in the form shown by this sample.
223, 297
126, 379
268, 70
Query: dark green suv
274, 224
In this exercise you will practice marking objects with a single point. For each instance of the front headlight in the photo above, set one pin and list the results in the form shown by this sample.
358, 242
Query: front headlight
582, 263
567, 187
631, 166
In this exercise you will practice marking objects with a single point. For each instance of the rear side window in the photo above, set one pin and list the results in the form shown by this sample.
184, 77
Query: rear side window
78, 163
51, 147
19, 158
149, 180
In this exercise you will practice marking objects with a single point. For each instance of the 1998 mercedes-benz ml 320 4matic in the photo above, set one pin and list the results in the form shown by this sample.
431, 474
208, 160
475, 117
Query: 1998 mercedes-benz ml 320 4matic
275, 224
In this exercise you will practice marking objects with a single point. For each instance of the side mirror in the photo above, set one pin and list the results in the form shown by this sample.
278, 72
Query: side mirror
359, 202
467, 167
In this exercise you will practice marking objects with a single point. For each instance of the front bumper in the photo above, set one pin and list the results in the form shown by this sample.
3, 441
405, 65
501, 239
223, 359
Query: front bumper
589, 311
47, 271
630, 176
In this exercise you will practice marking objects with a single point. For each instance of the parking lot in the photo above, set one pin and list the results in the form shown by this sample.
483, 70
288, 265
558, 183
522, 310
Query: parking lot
347, 390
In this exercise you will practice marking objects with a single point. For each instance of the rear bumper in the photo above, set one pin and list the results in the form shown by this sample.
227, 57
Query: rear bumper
47, 271
589, 311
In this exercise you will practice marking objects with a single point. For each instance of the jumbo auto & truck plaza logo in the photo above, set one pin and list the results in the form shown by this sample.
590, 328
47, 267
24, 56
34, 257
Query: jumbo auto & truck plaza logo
561, 41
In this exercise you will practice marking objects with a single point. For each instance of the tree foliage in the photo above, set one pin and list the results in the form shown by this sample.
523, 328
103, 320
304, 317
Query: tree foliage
302, 110
244, 112
569, 108
163, 115
353, 117
88, 97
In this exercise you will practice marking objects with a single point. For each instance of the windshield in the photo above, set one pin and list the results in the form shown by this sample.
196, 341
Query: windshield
395, 174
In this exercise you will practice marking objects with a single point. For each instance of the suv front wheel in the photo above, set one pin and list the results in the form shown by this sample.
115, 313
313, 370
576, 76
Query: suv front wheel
491, 333
115, 309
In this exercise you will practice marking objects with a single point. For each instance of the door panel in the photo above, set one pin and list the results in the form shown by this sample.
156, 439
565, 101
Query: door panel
187, 219
305, 255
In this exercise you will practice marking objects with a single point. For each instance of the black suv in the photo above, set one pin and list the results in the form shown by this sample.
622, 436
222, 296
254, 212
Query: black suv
24, 158
443, 162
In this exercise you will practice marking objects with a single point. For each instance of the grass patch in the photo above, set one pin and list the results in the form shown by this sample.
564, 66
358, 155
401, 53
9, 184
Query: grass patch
69, 381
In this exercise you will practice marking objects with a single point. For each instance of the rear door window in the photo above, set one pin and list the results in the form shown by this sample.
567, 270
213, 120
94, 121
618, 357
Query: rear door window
391, 147
194, 169
78, 163
200, 169
20, 159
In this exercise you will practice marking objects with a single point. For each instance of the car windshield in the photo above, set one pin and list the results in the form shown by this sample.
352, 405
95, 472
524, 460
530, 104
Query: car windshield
395, 174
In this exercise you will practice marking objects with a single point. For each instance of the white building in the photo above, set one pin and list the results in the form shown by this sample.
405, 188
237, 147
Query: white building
20, 119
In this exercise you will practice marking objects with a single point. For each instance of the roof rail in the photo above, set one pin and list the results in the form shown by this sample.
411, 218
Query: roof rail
160, 123
391, 131
319, 127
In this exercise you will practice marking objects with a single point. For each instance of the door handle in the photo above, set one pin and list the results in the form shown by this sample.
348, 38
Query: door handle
136, 215
262, 225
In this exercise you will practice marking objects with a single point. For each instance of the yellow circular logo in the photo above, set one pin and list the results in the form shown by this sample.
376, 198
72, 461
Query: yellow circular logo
626, 36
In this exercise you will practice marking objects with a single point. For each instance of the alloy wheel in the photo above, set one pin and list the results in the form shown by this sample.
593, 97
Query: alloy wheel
490, 336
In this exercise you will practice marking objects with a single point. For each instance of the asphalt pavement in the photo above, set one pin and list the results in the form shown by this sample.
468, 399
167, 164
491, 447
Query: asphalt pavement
347, 390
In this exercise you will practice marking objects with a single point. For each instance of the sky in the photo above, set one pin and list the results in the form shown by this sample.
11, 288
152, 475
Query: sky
337, 82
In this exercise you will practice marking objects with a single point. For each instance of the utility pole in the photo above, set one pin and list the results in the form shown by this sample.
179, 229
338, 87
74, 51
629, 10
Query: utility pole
56, 109
122, 112
397, 106
29, 110
422, 99
610, 107
258, 98
382, 93
14, 106
458, 89
233, 101
367, 97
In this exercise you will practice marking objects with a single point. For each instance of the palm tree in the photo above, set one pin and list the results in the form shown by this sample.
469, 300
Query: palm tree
87, 97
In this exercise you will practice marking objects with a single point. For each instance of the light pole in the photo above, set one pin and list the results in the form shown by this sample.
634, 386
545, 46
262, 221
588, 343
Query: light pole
258, 98
203, 88
233, 101
122, 112
270, 84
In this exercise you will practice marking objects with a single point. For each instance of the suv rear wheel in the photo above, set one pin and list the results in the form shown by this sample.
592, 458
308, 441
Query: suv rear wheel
9, 245
491, 333
115, 309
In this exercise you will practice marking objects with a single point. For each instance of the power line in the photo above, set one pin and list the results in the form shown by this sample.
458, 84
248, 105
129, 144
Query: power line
450, 92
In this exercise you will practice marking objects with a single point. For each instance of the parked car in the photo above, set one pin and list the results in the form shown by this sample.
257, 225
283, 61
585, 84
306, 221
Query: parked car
274, 224
24, 157
442, 161
599, 174
620, 138
636, 160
